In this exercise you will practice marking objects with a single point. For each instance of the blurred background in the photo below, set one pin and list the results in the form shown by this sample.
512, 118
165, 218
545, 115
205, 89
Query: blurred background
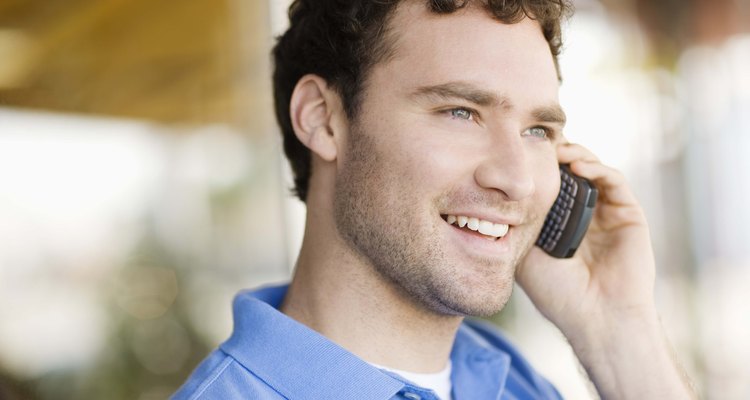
142, 183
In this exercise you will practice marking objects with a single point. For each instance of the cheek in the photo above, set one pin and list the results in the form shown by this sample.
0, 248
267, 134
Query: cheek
396, 171
439, 157
548, 184
421, 162
430, 166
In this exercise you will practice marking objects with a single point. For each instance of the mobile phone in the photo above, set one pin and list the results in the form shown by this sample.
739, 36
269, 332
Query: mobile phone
570, 215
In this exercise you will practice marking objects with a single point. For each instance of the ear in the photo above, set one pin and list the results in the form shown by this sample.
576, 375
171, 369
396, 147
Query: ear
312, 109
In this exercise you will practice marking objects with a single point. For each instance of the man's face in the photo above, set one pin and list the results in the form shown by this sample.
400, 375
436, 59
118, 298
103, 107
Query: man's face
452, 126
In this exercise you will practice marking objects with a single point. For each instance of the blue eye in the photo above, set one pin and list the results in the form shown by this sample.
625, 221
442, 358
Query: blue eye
537, 131
461, 113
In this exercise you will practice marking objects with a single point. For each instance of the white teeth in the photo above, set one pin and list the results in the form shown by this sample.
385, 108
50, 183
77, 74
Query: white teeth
475, 224
485, 228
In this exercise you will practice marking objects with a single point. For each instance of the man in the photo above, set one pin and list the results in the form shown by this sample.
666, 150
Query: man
425, 138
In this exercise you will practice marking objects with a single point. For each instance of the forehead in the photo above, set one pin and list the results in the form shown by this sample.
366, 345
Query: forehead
468, 45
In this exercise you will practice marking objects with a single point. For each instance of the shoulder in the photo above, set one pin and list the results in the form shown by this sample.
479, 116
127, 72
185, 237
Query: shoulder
220, 376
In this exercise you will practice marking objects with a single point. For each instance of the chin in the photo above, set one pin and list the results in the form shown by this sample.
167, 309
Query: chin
481, 300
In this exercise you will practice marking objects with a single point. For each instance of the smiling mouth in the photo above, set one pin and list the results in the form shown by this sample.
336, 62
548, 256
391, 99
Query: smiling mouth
484, 228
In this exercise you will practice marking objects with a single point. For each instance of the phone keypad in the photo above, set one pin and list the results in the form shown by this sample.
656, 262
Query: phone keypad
558, 217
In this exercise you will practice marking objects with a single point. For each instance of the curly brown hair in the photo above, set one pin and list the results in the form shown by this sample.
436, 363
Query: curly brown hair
341, 40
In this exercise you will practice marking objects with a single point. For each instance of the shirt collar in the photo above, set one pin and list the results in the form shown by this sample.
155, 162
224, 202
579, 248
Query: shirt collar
295, 360
321, 368
480, 370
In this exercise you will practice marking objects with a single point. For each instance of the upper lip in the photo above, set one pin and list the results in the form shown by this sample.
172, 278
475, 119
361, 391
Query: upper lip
493, 217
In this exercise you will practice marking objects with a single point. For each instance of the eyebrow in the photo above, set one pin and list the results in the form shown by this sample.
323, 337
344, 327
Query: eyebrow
469, 92
551, 114
459, 90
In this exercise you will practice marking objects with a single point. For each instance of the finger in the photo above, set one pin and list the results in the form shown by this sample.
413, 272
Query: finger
569, 152
612, 185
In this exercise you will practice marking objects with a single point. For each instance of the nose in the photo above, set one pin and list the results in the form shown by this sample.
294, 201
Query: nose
506, 168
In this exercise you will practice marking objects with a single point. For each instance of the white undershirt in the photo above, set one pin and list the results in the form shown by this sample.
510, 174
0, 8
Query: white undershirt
439, 382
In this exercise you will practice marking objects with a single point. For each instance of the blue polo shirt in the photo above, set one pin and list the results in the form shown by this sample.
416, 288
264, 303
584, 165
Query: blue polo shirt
271, 356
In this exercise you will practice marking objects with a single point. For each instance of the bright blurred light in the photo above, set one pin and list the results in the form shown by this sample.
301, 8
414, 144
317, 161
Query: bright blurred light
80, 197
724, 331
70, 187
605, 96
48, 326
71, 190
716, 93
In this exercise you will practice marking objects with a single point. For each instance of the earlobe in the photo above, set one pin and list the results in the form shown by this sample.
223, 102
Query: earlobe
311, 108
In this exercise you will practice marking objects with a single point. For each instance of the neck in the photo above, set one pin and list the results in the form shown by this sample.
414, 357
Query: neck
338, 294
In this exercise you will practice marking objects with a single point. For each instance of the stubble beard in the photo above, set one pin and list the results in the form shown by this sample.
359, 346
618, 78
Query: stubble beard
380, 222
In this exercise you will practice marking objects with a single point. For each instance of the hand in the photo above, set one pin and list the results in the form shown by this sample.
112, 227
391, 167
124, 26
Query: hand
612, 274
602, 299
